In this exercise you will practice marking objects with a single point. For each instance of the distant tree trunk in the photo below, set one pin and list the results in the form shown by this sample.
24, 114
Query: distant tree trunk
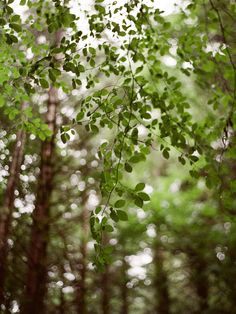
105, 304
82, 265
81, 287
161, 282
8, 203
200, 279
7, 306
124, 290
37, 263
201, 282
62, 306
229, 275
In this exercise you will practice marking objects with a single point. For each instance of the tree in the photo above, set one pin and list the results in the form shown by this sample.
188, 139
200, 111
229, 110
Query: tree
37, 255
8, 203
123, 106
113, 69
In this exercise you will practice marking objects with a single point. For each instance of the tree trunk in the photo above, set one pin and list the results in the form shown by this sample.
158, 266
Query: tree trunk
161, 283
81, 286
62, 306
8, 203
124, 290
37, 263
200, 280
105, 304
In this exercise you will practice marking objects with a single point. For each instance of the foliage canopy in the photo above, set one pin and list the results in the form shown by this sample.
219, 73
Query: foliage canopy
114, 66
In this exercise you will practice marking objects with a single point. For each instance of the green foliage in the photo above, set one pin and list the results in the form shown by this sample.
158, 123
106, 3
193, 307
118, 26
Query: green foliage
142, 89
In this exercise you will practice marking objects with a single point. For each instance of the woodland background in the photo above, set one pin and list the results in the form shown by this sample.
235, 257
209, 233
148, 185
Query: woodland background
117, 173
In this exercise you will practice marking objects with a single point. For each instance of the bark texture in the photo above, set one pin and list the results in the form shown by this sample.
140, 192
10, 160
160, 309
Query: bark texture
37, 255
81, 289
8, 204
105, 304
124, 289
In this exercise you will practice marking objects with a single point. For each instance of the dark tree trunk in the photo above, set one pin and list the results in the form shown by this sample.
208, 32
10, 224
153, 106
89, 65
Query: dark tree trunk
161, 282
81, 286
8, 203
81, 289
105, 304
37, 256
124, 290
62, 306
200, 280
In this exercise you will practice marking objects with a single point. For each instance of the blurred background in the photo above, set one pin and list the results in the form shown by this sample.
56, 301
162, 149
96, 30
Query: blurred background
175, 255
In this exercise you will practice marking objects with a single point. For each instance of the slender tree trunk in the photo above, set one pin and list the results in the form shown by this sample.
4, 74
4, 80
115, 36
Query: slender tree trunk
81, 286
37, 256
105, 304
7, 306
161, 282
8, 203
62, 306
124, 290
200, 280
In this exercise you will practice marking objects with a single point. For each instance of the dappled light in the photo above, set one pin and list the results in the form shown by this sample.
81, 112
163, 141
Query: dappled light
117, 157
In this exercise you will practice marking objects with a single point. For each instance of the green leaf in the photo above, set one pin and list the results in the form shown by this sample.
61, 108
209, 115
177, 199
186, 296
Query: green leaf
137, 158
67, 19
122, 215
51, 75
109, 228
128, 168
15, 18
193, 158
165, 153
138, 201
94, 128
65, 137
80, 116
100, 9
16, 27
119, 203
98, 209
92, 50
81, 68
43, 83
114, 216
28, 88
144, 196
182, 160
42, 136
9, 9
2, 21
140, 187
